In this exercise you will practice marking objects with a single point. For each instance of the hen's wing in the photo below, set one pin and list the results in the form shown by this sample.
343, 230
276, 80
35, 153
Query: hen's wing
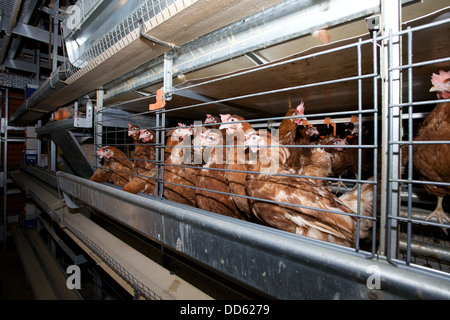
177, 178
143, 182
326, 226
236, 183
431, 160
121, 174
212, 201
102, 174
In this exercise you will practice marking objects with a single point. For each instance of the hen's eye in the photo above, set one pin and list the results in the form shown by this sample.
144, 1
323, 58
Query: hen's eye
232, 119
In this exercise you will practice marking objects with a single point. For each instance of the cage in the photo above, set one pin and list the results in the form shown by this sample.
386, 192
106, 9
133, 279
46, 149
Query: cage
292, 174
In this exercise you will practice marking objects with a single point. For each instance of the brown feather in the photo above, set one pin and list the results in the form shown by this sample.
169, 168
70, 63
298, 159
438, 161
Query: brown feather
174, 154
144, 165
338, 226
215, 180
431, 161
120, 168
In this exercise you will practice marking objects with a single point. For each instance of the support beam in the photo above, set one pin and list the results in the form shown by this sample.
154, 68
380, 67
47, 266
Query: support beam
30, 32
269, 27
390, 59
248, 252
26, 18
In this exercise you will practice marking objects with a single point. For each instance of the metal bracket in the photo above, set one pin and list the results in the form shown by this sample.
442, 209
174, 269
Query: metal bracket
374, 23
69, 202
168, 76
165, 93
83, 122
157, 41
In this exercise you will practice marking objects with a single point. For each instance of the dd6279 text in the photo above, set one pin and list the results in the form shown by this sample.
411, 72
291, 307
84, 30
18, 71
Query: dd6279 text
246, 309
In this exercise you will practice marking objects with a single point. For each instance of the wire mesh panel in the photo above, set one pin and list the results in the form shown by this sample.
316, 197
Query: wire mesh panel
418, 230
295, 145
308, 166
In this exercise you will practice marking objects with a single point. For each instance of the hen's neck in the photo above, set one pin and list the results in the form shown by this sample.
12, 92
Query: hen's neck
217, 155
287, 131
270, 159
122, 159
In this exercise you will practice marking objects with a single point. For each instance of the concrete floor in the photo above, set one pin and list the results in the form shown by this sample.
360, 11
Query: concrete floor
13, 280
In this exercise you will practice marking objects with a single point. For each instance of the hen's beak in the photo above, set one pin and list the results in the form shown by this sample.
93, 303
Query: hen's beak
254, 148
229, 127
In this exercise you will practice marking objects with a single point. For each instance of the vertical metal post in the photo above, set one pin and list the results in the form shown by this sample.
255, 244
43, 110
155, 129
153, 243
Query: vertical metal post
390, 59
53, 148
160, 124
375, 141
358, 211
168, 75
98, 131
410, 146
158, 156
160, 147
53, 155
5, 169
39, 145
55, 36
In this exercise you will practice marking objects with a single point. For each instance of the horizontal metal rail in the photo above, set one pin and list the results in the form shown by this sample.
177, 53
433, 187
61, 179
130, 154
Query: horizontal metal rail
280, 264
367, 115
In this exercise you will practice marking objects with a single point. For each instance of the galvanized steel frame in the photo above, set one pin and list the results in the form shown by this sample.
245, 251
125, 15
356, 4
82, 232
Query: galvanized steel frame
391, 209
400, 121
277, 263
280, 264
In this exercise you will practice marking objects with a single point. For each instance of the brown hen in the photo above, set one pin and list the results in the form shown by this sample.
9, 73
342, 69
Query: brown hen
431, 161
237, 158
300, 203
214, 180
144, 161
177, 177
117, 168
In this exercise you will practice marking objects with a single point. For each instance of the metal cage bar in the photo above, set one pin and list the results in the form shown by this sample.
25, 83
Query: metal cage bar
360, 112
402, 246
411, 236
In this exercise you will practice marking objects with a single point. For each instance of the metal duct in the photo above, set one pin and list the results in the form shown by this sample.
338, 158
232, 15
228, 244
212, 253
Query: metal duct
27, 112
